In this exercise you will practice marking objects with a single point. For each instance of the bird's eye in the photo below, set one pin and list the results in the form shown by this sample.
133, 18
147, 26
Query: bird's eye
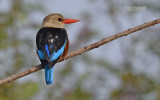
60, 19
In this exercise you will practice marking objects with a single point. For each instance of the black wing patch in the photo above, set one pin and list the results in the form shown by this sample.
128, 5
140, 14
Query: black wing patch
49, 40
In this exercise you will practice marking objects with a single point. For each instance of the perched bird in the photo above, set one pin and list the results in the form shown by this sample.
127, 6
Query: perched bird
52, 42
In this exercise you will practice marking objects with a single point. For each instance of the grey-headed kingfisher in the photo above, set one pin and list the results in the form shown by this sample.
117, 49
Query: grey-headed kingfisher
52, 42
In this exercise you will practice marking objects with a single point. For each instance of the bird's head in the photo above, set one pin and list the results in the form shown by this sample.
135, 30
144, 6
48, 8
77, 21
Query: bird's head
57, 21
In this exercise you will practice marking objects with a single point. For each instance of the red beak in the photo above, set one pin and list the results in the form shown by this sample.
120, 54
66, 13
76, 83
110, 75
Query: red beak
69, 21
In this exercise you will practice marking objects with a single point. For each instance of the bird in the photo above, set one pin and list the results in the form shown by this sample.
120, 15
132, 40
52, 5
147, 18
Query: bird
52, 42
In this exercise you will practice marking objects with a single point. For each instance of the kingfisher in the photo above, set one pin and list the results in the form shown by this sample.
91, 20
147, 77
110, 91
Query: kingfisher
52, 42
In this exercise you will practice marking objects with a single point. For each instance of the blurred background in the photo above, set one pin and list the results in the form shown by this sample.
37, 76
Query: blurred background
125, 69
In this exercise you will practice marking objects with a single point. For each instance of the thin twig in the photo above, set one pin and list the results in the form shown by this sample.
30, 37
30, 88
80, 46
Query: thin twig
82, 50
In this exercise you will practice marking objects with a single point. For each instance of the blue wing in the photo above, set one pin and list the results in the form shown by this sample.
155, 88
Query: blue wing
56, 55
52, 56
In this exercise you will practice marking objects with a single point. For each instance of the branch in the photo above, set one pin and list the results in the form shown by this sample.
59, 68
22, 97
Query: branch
82, 50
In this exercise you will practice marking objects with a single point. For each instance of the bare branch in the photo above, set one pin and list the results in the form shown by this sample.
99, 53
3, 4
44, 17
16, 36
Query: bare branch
82, 50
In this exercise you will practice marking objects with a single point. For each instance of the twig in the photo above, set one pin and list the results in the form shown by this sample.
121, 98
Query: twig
82, 50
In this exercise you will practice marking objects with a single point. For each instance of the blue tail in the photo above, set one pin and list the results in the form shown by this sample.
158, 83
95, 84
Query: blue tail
49, 74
